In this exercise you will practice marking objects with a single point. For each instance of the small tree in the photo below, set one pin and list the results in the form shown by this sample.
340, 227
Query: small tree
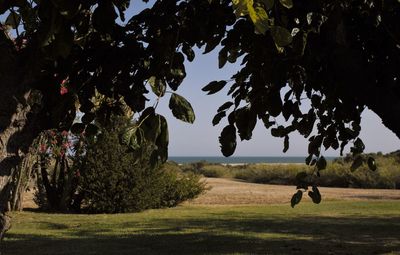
114, 179
57, 182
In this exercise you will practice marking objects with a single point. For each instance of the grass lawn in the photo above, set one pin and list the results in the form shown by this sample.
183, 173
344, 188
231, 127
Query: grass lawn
328, 228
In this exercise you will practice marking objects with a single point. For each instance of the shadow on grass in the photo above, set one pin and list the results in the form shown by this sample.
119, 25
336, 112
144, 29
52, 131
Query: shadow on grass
302, 235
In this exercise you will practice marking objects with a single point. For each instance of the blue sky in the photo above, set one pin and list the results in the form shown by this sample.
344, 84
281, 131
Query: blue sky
201, 138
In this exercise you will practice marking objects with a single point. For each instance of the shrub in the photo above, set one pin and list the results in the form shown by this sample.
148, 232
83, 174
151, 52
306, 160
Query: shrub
179, 186
216, 171
114, 180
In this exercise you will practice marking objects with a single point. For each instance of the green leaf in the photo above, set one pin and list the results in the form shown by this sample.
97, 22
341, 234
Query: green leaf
151, 126
358, 147
240, 7
122, 6
281, 36
233, 55
132, 137
371, 164
217, 118
274, 103
163, 140
358, 161
267, 122
104, 16
315, 145
181, 108
321, 163
315, 195
178, 72
157, 86
299, 42
225, 106
88, 117
188, 51
214, 86
91, 130
13, 20
287, 3
268, 4
66, 8
279, 131
308, 159
257, 14
260, 18
78, 128
286, 144
222, 58
246, 120
212, 43
63, 43
296, 198
227, 140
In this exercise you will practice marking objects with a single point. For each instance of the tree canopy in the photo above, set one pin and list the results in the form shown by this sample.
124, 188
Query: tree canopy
341, 56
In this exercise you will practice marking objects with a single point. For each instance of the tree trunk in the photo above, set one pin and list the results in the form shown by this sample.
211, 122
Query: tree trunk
19, 124
23, 178
17, 132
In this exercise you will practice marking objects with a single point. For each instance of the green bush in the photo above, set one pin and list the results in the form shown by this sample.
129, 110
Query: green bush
115, 181
337, 173
216, 171
282, 174
179, 186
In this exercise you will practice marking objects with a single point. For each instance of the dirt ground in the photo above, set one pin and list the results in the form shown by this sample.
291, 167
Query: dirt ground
232, 192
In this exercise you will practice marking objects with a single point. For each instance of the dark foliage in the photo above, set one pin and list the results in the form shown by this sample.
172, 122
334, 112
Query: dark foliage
113, 180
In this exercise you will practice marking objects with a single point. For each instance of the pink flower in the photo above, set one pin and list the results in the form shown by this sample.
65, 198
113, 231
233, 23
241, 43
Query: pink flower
43, 148
65, 145
63, 82
64, 133
63, 90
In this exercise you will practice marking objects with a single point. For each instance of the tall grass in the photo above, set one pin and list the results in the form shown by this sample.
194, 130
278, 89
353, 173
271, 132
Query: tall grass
337, 173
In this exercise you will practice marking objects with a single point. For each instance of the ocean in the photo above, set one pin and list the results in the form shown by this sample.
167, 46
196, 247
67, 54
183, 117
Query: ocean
240, 160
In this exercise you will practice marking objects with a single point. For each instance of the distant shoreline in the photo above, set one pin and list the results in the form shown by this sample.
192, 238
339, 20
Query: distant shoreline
261, 163
242, 160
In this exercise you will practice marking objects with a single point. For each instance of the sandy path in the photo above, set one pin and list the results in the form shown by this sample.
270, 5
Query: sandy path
225, 192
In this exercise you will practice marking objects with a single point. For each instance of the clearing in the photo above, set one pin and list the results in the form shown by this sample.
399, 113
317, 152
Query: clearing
231, 218
235, 192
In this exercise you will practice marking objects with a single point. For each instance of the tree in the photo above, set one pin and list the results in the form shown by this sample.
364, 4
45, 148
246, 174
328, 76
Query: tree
57, 181
114, 180
341, 56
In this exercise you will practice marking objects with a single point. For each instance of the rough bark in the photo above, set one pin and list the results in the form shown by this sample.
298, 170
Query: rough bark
19, 123
24, 174
50, 188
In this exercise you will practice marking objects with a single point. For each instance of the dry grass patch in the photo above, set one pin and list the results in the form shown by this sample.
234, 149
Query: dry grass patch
234, 192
